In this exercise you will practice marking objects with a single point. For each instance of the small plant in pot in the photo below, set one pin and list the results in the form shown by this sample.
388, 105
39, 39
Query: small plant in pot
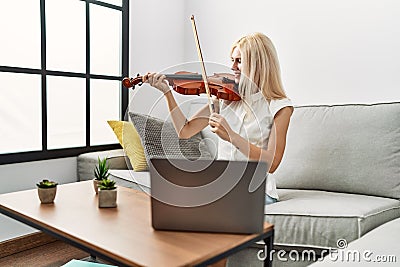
47, 191
100, 173
107, 194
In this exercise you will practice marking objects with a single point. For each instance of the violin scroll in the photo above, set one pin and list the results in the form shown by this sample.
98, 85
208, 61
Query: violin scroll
131, 82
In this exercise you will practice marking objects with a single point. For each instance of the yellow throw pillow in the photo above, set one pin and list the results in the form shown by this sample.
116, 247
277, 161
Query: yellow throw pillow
130, 142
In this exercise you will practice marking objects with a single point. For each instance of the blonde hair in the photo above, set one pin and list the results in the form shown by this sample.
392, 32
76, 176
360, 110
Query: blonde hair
260, 66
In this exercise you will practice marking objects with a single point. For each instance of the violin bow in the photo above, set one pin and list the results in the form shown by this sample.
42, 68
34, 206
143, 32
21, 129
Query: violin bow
203, 68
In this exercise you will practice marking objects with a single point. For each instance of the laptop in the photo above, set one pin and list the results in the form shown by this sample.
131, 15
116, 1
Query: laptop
207, 195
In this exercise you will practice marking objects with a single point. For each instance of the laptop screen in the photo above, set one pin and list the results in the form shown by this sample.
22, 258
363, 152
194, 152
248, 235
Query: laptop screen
207, 195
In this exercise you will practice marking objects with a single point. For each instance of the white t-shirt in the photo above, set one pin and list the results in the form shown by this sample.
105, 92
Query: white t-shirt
251, 119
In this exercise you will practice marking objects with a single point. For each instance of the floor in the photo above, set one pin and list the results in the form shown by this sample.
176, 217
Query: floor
54, 254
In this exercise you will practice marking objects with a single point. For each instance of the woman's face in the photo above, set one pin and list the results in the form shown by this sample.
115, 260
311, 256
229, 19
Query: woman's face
236, 64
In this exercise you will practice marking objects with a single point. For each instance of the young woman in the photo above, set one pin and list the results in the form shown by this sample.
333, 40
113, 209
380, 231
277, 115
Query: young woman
253, 128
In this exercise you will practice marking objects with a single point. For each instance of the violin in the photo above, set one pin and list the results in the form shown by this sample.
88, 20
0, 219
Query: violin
188, 83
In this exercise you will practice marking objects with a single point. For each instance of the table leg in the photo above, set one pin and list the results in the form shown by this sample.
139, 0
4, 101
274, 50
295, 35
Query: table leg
269, 246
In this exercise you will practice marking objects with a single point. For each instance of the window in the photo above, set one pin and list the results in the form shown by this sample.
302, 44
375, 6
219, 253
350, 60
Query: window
61, 66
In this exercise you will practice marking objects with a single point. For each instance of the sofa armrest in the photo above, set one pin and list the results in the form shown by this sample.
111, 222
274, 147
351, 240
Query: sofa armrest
377, 246
86, 162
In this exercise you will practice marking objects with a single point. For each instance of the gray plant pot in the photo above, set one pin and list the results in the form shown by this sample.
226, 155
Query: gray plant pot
108, 198
47, 195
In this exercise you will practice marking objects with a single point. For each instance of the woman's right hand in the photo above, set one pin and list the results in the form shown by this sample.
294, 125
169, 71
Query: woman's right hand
158, 81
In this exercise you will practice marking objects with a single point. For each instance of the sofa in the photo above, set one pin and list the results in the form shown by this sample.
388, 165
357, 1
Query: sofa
338, 180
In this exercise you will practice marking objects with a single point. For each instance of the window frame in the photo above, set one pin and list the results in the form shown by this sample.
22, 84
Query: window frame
45, 154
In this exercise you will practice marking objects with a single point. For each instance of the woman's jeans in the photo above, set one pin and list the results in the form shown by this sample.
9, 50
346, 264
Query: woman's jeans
269, 200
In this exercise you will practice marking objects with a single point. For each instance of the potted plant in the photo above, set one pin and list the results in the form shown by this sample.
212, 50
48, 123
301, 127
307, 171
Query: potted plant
107, 194
100, 173
47, 191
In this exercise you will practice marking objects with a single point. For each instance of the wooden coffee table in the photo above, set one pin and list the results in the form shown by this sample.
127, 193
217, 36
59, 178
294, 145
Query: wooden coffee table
122, 235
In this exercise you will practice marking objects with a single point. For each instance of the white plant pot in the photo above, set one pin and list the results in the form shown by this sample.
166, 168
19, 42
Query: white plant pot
108, 198
47, 195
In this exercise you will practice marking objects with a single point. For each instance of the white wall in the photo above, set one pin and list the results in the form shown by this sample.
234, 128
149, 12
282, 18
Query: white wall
332, 51
157, 43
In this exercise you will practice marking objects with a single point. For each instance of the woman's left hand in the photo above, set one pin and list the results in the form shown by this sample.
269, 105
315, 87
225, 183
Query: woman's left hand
220, 126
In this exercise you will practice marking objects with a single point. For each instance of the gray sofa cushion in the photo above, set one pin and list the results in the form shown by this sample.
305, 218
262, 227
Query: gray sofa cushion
210, 138
344, 148
160, 139
86, 162
306, 218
